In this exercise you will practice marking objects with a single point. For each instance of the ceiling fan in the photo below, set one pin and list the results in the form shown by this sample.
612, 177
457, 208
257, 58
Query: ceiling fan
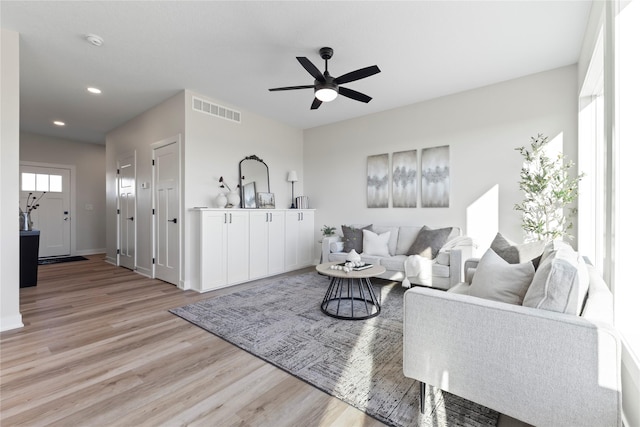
326, 87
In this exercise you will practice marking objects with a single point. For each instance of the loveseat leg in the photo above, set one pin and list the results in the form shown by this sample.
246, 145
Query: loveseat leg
423, 395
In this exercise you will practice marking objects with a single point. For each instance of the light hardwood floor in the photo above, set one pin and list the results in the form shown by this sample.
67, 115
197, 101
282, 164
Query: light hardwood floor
99, 348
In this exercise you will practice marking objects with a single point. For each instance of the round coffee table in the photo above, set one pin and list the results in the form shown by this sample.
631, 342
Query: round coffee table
350, 295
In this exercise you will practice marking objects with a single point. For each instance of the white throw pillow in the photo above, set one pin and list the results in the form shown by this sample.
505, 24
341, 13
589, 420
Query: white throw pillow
497, 280
560, 283
375, 244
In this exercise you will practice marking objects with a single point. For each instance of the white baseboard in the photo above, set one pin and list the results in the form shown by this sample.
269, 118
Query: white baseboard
91, 251
110, 260
11, 322
143, 272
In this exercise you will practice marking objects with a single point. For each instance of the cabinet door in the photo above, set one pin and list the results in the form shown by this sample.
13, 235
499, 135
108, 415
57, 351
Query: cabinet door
292, 231
276, 242
305, 239
259, 247
213, 254
237, 246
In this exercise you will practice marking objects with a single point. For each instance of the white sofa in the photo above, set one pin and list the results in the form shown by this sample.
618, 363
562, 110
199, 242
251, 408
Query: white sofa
443, 272
542, 367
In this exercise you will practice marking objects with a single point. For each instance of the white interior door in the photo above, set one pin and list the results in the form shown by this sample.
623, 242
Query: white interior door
167, 212
127, 211
49, 187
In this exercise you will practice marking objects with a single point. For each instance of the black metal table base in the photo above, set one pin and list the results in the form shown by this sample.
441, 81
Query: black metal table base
359, 303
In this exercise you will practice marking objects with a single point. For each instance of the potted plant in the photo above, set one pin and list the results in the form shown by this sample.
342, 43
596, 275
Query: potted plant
549, 190
327, 231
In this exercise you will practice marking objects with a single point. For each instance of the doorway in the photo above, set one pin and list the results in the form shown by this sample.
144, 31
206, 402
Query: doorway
126, 177
167, 217
50, 188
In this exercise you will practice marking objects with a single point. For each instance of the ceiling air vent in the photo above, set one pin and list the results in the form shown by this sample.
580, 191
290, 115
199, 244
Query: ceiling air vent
219, 111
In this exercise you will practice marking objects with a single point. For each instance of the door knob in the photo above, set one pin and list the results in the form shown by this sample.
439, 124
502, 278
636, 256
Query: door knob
66, 218
174, 220
130, 218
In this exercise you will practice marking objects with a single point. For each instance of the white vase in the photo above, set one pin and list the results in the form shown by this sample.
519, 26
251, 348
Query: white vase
221, 201
353, 256
233, 198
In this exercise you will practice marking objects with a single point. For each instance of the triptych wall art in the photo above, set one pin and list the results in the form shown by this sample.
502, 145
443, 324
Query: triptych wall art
432, 180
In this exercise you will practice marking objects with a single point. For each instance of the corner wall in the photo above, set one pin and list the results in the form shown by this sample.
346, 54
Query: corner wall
156, 124
214, 147
10, 317
482, 127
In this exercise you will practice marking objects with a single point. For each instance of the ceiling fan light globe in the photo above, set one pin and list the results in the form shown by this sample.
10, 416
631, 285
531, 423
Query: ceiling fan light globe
326, 94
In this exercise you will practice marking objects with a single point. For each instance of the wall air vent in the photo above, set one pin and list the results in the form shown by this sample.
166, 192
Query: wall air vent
219, 111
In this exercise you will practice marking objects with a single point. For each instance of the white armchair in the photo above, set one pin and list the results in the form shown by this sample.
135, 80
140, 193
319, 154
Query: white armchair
541, 367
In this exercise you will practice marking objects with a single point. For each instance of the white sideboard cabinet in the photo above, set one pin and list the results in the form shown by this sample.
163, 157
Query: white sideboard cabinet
238, 245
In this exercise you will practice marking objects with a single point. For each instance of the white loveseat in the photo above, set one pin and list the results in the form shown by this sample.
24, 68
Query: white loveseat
545, 368
442, 272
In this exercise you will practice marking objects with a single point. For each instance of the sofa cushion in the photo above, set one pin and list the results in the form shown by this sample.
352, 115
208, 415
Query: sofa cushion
443, 258
517, 253
561, 281
497, 280
406, 236
375, 244
336, 247
428, 242
394, 263
353, 237
393, 238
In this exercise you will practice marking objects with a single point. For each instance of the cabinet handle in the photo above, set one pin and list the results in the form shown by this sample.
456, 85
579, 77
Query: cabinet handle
230, 218
270, 217
301, 216
225, 217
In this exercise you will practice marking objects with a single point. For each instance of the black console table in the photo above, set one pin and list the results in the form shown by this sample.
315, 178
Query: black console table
29, 246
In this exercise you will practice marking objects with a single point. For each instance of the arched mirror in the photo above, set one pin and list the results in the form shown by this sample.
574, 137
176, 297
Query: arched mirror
254, 179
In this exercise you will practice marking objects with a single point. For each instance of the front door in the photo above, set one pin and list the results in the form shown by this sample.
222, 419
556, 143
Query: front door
126, 177
167, 212
49, 188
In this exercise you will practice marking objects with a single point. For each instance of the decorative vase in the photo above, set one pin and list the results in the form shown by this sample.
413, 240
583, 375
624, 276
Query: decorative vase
221, 201
25, 221
233, 198
353, 256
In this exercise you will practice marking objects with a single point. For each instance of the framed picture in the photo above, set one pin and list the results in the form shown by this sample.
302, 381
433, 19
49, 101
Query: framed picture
266, 201
249, 195
378, 181
404, 184
435, 177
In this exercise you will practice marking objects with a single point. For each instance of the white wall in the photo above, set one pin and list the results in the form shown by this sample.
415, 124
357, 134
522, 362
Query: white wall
89, 161
482, 127
163, 121
10, 317
214, 147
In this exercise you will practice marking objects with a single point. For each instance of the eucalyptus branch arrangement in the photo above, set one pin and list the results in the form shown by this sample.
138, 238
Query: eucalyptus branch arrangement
224, 184
548, 189
32, 203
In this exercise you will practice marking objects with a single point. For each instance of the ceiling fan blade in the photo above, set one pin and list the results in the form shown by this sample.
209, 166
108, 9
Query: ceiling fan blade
312, 69
354, 94
291, 88
316, 103
357, 75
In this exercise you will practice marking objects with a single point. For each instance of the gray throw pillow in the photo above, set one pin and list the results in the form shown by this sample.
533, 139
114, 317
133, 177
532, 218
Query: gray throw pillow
428, 242
517, 253
497, 280
353, 237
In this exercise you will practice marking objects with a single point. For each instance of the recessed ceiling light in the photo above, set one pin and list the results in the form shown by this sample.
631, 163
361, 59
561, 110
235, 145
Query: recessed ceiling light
58, 123
94, 39
94, 90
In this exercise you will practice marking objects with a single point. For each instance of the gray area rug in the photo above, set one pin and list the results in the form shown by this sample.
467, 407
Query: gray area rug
359, 362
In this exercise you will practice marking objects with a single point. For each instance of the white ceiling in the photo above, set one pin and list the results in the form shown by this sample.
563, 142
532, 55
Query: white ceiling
233, 51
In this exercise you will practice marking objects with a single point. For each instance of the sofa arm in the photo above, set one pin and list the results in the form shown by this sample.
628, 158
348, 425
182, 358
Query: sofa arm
470, 266
541, 367
326, 246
